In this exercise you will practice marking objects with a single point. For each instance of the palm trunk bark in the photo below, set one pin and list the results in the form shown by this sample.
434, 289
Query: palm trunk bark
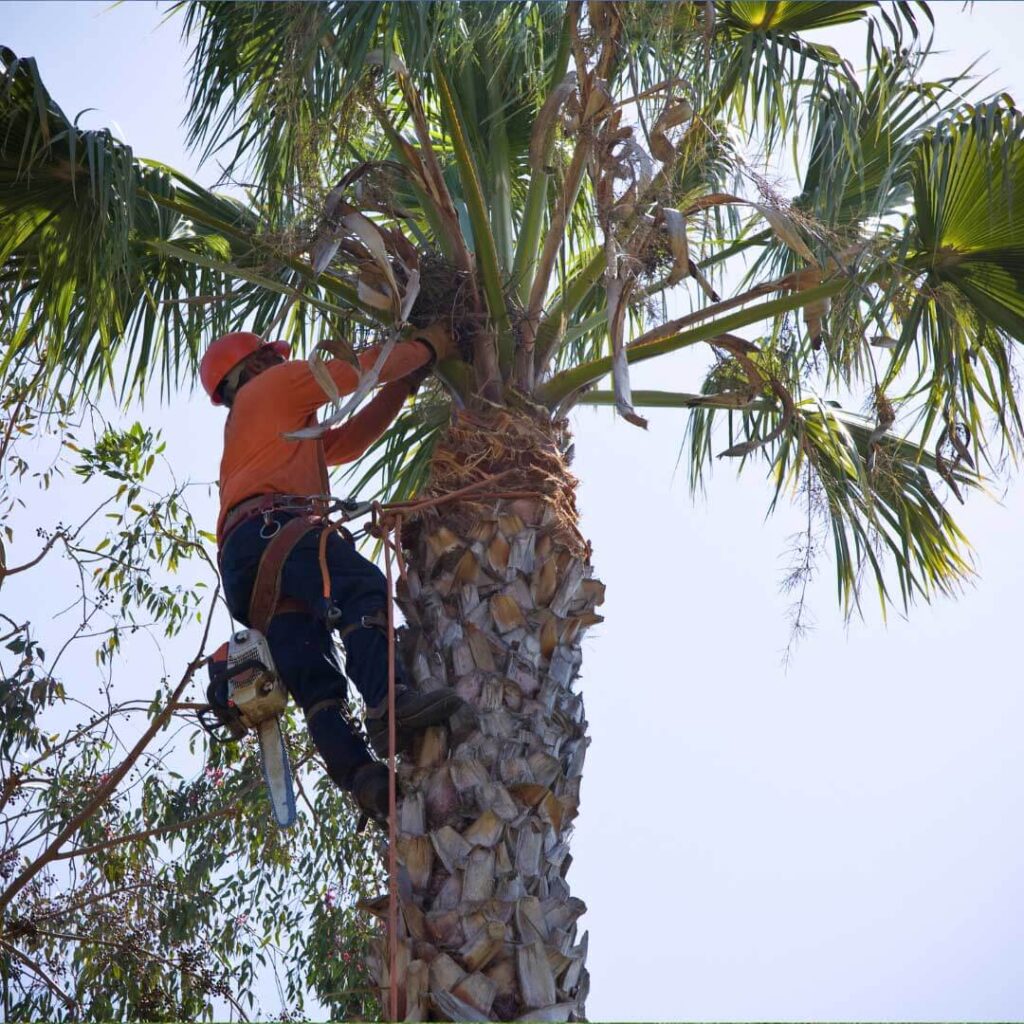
497, 595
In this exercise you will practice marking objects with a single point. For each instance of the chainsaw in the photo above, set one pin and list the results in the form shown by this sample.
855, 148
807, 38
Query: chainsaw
246, 693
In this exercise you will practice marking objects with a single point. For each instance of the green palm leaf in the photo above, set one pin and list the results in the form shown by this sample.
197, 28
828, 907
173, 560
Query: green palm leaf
117, 268
968, 186
907, 205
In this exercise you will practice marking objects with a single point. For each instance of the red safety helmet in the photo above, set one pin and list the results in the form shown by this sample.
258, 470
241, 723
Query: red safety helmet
226, 353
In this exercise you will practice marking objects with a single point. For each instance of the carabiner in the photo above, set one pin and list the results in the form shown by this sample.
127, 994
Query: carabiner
265, 530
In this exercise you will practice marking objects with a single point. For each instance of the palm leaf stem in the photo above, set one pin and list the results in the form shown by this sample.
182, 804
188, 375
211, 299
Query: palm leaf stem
673, 327
552, 241
562, 385
762, 238
551, 328
679, 400
483, 239
447, 237
525, 262
435, 174
429, 169
499, 168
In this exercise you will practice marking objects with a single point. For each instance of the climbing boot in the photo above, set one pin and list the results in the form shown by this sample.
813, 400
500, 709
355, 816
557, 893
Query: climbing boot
369, 789
413, 711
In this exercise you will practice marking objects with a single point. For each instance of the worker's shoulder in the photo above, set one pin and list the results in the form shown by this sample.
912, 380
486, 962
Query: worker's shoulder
263, 394
285, 373
276, 382
275, 401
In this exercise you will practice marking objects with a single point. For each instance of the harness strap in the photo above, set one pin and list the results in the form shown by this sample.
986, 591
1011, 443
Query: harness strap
323, 705
375, 620
265, 601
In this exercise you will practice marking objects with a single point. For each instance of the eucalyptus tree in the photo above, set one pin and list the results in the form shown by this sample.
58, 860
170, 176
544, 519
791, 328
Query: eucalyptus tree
546, 177
133, 870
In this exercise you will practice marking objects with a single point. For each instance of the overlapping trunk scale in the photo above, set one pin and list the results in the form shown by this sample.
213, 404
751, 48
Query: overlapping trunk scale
498, 593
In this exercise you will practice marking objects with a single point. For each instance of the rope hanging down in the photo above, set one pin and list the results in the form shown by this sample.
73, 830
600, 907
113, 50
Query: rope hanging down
392, 773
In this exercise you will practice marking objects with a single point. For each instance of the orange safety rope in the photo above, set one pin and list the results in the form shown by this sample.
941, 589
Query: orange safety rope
392, 790
325, 574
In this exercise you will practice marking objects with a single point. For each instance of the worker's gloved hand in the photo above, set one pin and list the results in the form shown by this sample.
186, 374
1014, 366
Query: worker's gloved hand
439, 338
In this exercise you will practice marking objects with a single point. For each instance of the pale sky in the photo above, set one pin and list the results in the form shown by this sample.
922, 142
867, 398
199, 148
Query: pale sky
840, 841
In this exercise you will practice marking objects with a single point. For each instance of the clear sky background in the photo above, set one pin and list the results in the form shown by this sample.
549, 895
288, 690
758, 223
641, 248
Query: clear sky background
839, 840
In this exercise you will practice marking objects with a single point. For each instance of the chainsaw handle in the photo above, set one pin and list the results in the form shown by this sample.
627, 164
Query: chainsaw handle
242, 666
216, 729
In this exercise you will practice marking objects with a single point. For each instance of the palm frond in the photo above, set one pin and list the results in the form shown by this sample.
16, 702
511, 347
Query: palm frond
397, 465
868, 489
968, 196
518, 153
114, 269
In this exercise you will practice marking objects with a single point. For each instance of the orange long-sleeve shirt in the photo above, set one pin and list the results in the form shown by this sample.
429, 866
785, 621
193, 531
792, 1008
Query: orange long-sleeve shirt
258, 460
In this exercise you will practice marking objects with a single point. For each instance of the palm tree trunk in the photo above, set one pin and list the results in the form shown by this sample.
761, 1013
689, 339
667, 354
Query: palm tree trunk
498, 593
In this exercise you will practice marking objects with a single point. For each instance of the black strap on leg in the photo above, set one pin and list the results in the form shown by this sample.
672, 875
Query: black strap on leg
375, 620
323, 705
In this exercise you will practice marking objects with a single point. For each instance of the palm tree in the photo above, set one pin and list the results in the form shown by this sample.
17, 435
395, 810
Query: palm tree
542, 175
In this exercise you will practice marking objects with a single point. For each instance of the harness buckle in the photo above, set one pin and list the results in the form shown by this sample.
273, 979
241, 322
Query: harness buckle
269, 521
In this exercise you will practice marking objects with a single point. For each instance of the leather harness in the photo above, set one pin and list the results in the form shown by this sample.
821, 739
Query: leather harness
265, 505
265, 601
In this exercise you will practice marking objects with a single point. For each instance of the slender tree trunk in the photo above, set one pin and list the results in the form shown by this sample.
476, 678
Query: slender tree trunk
497, 596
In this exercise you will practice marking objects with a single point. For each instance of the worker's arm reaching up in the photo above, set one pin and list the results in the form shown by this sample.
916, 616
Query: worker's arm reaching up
306, 395
349, 441
281, 398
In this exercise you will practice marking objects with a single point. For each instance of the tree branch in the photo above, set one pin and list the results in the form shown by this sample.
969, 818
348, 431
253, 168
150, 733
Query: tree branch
177, 964
223, 812
40, 973
4, 572
118, 709
104, 792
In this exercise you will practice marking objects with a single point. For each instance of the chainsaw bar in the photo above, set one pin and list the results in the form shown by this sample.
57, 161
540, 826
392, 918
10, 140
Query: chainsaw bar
277, 773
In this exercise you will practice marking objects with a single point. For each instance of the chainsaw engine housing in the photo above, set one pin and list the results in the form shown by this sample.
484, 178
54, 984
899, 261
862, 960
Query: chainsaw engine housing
244, 688
254, 687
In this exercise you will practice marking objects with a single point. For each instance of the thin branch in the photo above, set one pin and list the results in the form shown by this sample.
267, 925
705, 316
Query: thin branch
151, 954
11, 785
59, 535
162, 830
40, 973
104, 792
14, 632
116, 710
107, 894
8, 433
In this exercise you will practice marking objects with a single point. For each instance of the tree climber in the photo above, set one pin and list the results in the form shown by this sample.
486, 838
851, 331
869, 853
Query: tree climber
266, 484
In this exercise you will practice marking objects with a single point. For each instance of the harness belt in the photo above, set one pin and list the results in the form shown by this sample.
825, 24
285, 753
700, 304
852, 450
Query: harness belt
265, 504
324, 705
375, 620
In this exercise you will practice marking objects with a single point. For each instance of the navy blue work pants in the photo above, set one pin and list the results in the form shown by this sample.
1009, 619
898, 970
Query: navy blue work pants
302, 645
